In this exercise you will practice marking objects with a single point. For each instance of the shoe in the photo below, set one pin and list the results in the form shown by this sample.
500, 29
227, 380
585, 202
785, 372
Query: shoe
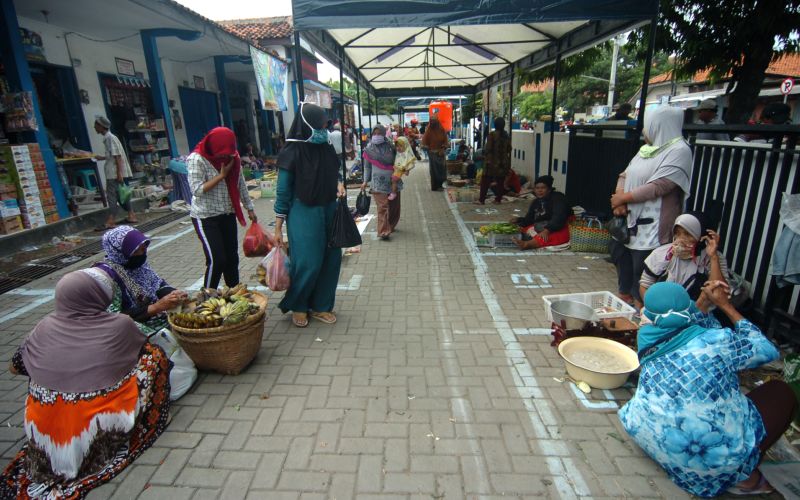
325, 317
392, 196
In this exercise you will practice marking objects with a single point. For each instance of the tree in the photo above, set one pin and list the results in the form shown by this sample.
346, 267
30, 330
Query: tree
533, 105
730, 37
385, 105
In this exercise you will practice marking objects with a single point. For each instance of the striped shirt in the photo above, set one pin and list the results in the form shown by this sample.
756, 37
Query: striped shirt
216, 201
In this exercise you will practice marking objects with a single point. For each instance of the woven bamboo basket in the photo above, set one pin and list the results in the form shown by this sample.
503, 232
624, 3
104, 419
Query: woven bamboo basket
454, 166
225, 349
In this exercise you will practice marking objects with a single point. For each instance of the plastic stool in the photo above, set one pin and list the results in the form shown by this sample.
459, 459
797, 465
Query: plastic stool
86, 178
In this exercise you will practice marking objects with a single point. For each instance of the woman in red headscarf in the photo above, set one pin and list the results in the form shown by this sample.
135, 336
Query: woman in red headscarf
218, 187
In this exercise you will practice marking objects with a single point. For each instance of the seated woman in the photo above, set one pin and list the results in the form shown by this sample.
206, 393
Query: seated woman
513, 183
688, 413
690, 260
98, 394
546, 220
141, 293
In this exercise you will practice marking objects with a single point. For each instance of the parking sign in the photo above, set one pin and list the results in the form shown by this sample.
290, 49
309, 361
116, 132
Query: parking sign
786, 86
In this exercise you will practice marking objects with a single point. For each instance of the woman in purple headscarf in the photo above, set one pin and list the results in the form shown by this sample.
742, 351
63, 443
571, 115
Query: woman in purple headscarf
141, 293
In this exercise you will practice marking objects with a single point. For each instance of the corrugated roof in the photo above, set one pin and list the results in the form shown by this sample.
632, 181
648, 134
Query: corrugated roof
787, 65
262, 28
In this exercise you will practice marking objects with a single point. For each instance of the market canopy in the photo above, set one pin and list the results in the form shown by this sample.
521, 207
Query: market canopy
430, 47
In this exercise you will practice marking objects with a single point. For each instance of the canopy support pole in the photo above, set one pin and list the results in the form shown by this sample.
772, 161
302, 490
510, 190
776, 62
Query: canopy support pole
511, 104
371, 110
342, 128
360, 112
472, 121
298, 68
651, 47
553, 115
399, 120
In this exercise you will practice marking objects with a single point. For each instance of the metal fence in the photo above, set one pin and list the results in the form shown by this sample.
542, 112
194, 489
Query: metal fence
741, 182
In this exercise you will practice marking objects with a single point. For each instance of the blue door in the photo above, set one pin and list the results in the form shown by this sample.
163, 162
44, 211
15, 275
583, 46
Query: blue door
200, 113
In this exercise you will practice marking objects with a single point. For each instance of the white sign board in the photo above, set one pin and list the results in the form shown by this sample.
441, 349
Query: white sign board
786, 86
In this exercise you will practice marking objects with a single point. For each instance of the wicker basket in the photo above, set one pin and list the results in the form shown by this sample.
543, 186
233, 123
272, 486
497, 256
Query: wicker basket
454, 166
225, 349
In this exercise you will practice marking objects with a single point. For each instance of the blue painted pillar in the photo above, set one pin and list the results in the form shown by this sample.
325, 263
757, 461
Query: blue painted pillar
19, 78
222, 85
156, 75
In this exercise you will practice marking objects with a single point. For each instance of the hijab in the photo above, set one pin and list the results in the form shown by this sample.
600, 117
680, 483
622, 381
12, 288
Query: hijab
221, 142
671, 311
138, 284
310, 156
80, 347
404, 159
435, 137
667, 156
379, 150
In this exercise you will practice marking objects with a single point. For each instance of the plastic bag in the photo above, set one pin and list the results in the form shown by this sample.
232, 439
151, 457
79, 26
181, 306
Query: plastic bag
362, 203
183, 373
124, 193
618, 227
257, 242
276, 270
344, 233
790, 211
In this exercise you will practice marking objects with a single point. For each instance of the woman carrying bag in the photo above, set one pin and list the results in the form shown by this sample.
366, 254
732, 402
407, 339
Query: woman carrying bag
308, 174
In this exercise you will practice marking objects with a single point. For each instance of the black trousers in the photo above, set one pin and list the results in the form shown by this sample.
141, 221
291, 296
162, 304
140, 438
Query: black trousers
630, 264
218, 235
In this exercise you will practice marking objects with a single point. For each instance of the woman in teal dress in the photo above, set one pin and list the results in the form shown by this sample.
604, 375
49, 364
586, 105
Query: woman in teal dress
308, 174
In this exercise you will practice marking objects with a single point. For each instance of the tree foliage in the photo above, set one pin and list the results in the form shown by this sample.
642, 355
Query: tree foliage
385, 105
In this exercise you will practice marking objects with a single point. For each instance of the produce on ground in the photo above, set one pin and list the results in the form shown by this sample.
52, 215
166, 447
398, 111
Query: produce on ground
500, 228
211, 308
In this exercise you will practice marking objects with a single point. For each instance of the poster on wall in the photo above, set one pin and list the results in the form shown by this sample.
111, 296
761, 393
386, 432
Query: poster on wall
271, 78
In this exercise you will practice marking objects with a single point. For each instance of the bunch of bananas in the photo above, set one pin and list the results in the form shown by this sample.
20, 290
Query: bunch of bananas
227, 306
197, 320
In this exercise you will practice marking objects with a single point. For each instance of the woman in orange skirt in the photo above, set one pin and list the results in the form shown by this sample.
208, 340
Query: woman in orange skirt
98, 394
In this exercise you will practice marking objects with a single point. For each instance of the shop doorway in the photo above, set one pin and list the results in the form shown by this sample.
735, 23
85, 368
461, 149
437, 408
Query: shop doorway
200, 113
59, 102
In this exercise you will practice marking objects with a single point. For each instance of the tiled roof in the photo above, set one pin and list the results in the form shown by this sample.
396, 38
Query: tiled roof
263, 28
788, 65
542, 86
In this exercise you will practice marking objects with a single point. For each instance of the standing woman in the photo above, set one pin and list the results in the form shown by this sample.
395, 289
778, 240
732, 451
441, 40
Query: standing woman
215, 177
379, 158
435, 141
498, 162
651, 191
308, 172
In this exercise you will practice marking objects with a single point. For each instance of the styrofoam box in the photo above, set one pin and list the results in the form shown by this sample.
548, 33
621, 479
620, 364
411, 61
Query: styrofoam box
605, 304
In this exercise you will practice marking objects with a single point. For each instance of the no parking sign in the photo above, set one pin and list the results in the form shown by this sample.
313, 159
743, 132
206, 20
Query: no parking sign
786, 88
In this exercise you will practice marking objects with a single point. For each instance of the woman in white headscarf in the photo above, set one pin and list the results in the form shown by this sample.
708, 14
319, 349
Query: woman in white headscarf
651, 192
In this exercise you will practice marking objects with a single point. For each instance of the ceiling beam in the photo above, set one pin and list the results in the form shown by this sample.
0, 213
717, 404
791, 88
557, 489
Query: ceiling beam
425, 91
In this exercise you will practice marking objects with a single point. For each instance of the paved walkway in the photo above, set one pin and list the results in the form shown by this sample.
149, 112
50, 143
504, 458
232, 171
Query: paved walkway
436, 382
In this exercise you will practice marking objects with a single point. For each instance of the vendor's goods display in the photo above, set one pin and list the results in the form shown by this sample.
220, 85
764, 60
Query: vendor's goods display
221, 330
23, 177
601, 363
497, 235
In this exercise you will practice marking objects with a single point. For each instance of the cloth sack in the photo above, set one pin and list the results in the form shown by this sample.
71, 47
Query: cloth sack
344, 233
588, 235
362, 203
183, 374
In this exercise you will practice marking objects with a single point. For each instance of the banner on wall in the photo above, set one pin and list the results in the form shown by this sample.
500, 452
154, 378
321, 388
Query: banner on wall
271, 78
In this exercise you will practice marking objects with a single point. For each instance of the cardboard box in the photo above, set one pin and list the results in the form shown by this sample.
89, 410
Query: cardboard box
9, 225
9, 208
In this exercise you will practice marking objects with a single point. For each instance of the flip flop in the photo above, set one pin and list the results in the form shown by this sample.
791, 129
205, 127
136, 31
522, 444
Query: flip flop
300, 320
325, 317
761, 488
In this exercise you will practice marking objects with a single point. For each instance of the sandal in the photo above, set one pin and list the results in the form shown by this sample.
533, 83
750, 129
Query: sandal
300, 320
761, 488
325, 317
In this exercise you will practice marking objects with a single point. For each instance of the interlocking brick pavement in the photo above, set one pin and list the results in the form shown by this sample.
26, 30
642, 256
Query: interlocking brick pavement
430, 385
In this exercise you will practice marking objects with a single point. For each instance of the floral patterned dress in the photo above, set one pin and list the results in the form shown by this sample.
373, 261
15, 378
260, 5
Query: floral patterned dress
689, 415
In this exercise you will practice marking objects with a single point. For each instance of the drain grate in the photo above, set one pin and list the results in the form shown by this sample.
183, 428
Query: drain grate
30, 272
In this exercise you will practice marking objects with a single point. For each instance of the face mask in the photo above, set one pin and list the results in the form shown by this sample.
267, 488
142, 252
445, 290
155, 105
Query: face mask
682, 249
136, 261
378, 139
319, 136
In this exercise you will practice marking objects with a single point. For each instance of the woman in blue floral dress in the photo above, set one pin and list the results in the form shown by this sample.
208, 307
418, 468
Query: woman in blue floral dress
688, 413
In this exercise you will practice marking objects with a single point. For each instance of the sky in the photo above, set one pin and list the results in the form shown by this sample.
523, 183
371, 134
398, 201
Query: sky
217, 10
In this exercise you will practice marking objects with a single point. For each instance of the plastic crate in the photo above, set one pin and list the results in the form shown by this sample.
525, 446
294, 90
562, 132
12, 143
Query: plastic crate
605, 304
503, 240
483, 240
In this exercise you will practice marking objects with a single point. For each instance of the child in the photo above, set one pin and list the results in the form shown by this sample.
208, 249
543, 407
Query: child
403, 163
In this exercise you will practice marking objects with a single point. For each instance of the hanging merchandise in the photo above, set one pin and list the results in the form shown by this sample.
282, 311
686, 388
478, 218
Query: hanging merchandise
19, 113
23, 168
271, 78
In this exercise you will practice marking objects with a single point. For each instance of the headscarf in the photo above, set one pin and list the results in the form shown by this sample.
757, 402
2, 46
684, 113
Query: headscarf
671, 311
80, 347
500, 126
435, 138
138, 285
667, 157
379, 152
314, 163
404, 159
221, 141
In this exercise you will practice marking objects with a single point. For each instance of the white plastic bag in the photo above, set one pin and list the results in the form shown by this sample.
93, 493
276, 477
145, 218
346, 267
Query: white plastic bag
183, 373
790, 211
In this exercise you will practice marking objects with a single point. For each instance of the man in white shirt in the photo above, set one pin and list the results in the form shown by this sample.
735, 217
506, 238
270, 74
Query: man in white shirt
335, 138
117, 169
707, 115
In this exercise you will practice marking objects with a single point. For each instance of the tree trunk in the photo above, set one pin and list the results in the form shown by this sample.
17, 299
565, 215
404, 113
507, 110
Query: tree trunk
756, 58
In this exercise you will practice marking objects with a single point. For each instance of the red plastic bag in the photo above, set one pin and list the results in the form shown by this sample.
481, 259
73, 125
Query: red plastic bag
257, 242
276, 265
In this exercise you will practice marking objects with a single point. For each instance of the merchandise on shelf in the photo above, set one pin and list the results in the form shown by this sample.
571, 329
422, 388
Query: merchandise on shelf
19, 113
9, 225
24, 175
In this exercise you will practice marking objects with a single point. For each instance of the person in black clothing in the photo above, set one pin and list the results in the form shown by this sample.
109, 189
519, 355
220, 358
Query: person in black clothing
546, 221
623, 112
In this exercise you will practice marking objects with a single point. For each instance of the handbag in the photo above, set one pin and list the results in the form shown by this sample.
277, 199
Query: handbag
344, 233
588, 235
362, 203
